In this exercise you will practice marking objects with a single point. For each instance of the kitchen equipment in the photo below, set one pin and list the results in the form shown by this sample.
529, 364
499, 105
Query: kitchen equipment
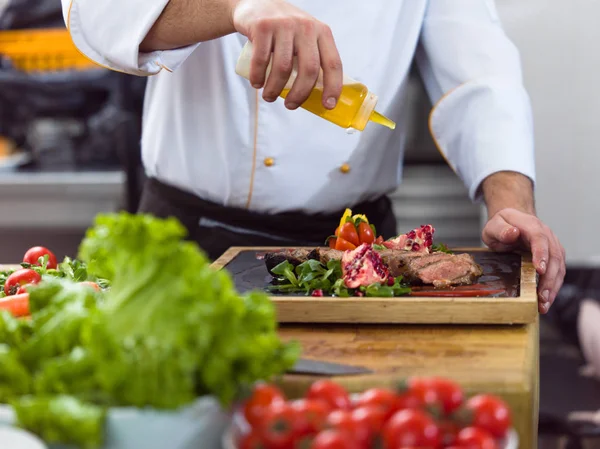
316, 367
512, 273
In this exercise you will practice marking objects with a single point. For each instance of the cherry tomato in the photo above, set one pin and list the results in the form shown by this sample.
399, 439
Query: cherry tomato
277, 425
332, 242
408, 400
343, 244
251, 440
449, 394
310, 416
19, 278
365, 233
333, 439
411, 428
475, 438
343, 420
348, 232
490, 413
263, 395
371, 417
333, 394
422, 388
33, 254
382, 398
91, 284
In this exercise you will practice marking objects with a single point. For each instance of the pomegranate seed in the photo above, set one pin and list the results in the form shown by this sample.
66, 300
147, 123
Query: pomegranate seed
359, 293
416, 247
317, 292
391, 281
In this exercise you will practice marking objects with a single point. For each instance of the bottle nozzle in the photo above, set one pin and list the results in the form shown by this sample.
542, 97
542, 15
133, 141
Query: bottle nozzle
382, 120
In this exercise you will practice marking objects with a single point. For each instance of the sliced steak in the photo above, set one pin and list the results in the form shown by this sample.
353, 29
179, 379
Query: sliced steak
293, 256
452, 269
324, 255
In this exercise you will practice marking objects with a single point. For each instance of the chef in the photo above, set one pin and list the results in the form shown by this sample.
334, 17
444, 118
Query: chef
238, 165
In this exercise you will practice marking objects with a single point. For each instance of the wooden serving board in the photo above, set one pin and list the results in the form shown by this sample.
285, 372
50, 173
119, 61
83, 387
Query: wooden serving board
514, 273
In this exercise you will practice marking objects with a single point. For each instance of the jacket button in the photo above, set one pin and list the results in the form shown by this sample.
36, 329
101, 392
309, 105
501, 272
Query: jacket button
269, 161
345, 168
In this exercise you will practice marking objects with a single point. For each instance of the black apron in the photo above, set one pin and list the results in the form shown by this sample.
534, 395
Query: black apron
283, 229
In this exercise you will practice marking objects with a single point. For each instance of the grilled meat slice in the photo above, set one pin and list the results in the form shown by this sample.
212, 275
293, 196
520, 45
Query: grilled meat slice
293, 256
442, 270
324, 255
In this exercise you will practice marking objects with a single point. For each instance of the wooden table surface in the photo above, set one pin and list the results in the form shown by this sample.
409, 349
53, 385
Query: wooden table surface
503, 360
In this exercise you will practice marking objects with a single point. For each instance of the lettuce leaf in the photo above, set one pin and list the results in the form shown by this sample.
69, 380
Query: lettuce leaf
61, 419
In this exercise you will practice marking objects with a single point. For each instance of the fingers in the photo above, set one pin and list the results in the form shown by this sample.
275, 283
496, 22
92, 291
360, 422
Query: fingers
261, 55
309, 66
282, 65
500, 235
332, 69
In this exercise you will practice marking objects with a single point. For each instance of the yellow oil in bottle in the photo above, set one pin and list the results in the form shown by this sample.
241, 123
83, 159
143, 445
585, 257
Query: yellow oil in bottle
345, 113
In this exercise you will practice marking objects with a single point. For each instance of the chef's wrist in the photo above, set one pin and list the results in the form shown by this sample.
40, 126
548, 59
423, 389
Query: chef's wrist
507, 189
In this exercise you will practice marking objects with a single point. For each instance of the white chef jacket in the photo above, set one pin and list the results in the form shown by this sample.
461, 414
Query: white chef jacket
207, 131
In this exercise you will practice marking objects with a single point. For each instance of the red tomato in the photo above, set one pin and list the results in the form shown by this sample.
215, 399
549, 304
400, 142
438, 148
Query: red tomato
333, 439
474, 438
33, 254
370, 417
365, 233
490, 413
411, 428
19, 278
382, 398
423, 389
277, 426
407, 400
343, 244
310, 416
333, 394
344, 421
91, 284
251, 440
449, 393
263, 395
332, 242
348, 232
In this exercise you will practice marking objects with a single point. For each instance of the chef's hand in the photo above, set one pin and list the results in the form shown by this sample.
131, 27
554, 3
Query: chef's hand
279, 27
511, 229
513, 225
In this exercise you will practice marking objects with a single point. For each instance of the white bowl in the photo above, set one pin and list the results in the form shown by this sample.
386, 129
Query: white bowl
201, 424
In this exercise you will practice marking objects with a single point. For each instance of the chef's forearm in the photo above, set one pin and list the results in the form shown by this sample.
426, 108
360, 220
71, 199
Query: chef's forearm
507, 189
187, 22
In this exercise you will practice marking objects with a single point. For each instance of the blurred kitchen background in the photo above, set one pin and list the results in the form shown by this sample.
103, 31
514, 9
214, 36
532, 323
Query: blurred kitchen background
69, 149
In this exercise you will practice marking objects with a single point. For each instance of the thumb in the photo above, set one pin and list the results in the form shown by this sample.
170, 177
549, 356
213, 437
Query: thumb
500, 235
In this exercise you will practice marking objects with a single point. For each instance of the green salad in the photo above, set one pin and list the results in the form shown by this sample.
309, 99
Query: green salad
167, 330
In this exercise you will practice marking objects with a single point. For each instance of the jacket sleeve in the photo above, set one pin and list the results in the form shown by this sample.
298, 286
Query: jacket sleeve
481, 120
109, 32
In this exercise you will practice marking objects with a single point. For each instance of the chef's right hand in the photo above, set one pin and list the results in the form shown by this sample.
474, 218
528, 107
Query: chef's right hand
279, 27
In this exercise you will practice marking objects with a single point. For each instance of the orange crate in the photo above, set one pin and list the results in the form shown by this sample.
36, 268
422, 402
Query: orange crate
43, 50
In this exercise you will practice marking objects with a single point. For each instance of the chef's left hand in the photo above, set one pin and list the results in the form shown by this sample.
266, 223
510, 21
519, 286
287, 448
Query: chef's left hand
511, 229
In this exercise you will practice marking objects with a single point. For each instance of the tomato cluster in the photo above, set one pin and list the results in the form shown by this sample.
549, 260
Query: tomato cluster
16, 282
352, 233
424, 413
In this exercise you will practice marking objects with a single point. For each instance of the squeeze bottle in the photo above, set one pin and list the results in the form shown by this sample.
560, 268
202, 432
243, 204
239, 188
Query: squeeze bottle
355, 106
